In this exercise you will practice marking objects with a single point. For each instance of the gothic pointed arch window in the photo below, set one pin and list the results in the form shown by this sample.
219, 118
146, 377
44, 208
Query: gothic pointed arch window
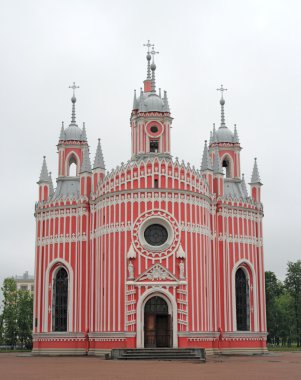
72, 166
60, 300
242, 301
227, 166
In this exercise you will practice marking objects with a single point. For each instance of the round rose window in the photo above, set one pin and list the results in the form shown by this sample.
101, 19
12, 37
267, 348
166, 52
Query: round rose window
155, 235
154, 129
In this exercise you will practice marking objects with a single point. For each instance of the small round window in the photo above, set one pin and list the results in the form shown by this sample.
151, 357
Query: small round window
154, 129
155, 235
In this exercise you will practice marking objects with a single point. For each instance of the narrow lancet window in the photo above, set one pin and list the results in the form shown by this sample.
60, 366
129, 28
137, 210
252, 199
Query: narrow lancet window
242, 301
60, 300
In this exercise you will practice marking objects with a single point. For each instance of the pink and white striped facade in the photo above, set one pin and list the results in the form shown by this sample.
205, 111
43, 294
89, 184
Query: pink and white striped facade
94, 230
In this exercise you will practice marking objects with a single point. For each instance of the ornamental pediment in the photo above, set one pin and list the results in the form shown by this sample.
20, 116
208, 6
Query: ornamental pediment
156, 273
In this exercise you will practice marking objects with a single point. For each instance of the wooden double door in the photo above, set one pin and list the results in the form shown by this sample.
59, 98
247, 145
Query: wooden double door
157, 324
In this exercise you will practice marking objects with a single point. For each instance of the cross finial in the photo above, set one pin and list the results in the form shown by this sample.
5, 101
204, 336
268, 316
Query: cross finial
222, 89
148, 45
153, 52
74, 87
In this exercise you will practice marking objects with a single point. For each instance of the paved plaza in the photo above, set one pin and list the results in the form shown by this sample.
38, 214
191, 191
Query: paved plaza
274, 366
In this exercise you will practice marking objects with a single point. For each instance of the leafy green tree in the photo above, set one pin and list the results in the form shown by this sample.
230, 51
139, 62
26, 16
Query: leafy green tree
274, 289
1, 329
25, 318
9, 315
293, 286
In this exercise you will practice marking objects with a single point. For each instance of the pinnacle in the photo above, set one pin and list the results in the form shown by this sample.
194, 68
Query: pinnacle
84, 133
255, 179
165, 101
62, 134
206, 160
244, 187
235, 136
86, 165
44, 172
99, 161
217, 165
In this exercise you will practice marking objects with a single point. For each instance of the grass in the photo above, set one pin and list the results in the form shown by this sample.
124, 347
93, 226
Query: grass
7, 351
284, 348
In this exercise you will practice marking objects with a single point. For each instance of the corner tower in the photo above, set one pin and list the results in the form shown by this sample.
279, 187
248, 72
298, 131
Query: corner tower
150, 117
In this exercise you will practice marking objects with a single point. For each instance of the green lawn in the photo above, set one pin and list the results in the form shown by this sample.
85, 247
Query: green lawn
283, 348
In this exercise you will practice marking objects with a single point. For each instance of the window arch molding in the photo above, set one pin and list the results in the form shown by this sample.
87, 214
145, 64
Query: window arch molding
53, 267
227, 157
71, 158
251, 277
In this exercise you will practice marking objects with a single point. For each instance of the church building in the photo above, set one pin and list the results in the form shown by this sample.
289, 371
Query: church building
154, 253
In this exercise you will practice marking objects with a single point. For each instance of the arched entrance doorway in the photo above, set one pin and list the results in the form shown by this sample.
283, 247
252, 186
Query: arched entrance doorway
157, 323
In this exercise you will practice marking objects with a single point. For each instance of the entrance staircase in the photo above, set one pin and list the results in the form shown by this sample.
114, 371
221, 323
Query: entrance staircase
189, 354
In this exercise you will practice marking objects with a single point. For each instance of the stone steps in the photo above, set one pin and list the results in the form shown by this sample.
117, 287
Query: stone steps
190, 354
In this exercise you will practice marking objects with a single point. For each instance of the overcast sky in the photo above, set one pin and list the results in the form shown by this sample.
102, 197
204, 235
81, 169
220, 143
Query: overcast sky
252, 47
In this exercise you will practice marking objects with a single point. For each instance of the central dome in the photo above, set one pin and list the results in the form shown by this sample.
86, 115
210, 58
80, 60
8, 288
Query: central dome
153, 103
73, 132
223, 134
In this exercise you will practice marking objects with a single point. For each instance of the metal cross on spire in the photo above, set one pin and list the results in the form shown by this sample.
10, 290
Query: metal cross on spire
148, 45
148, 57
74, 87
73, 100
222, 89
222, 103
153, 52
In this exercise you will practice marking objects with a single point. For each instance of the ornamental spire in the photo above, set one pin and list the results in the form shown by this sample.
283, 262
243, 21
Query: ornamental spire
73, 100
62, 134
255, 179
206, 161
84, 133
217, 165
153, 68
99, 161
244, 187
86, 165
235, 136
44, 177
51, 190
222, 103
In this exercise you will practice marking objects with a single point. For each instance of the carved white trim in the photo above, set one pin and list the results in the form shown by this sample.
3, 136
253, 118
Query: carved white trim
156, 273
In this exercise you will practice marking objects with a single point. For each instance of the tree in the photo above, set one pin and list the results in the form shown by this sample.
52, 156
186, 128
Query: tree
9, 315
293, 286
274, 289
25, 318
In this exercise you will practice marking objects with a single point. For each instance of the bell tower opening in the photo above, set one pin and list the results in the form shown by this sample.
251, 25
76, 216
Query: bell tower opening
72, 169
226, 167
154, 146
157, 323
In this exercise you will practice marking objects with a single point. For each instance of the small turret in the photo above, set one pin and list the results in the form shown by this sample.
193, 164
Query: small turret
255, 183
165, 101
135, 102
99, 169
206, 166
51, 189
244, 187
44, 182
62, 133
206, 160
235, 136
84, 133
